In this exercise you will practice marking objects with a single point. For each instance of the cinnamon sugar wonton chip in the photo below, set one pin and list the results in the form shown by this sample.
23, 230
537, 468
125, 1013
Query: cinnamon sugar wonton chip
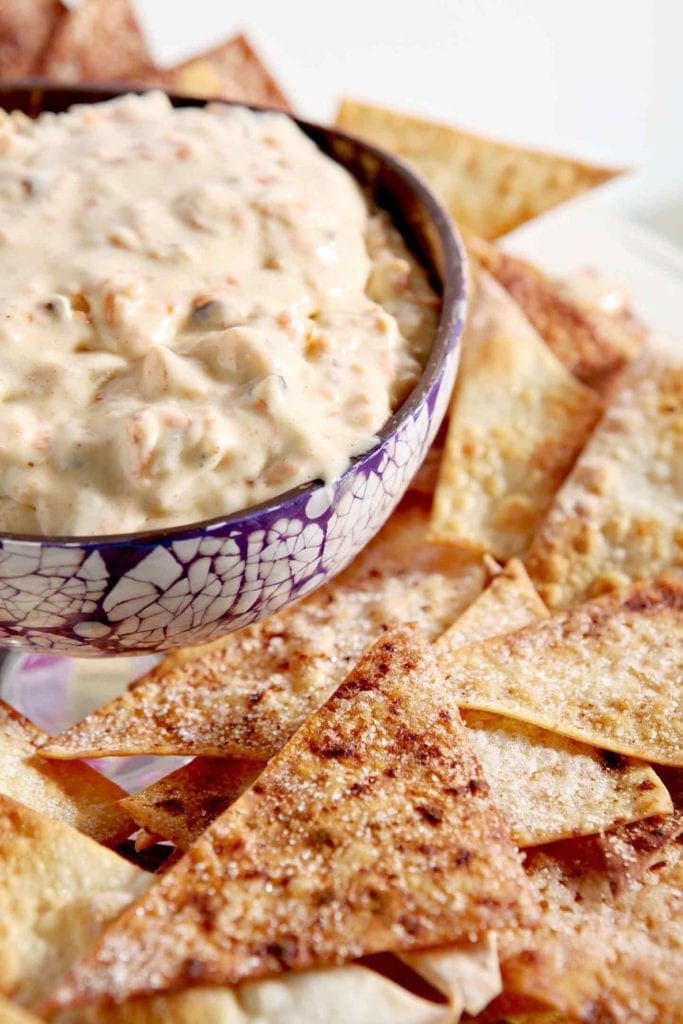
57, 890
509, 602
599, 956
180, 806
71, 792
98, 41
373, 830
518, 420
25, 29
489, 186
593, 345
618, 517
231, 71
607, 672
547, 786
244, 695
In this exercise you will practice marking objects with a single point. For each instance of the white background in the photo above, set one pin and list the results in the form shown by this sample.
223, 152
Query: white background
598, 78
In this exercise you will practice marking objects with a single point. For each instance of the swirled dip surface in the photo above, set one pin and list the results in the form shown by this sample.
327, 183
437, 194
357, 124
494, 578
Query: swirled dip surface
198, 311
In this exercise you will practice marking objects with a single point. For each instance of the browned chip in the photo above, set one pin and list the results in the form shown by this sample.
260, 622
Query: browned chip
518, 420
57, 889
607, 673
180, 806
372, 830
246, 694
98, 41
72, 792
25, 28
618, 516
487, 185
600, 956
231, 71
594, 345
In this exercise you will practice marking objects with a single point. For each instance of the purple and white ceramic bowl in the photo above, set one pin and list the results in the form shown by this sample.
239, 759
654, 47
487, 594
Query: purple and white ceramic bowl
162, 589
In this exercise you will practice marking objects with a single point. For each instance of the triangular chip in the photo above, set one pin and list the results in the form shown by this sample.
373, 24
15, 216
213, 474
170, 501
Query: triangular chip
547, 786
180, 806
326, 996
71, 792
98, 41
599, 956
618, 516
57, 890
606, 673
487, 185
518, 420
244, 695
25, 28
509, 602
593, 345
231, 71
371, 831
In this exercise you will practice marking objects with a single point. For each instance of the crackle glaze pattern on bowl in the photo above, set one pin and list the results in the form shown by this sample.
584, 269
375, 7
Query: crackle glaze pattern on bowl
164, 589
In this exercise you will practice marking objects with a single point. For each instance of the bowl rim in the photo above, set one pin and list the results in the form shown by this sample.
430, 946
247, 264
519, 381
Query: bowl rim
454, 292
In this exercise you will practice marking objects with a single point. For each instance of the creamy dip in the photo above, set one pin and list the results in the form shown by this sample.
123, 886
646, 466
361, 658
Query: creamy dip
198, 311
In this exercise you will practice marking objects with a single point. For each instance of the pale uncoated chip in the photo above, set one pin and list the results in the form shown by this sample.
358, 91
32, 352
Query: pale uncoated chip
25, 28
373, 830
600, 956
182, 805
618, 516
489, 186
246, 694
326, 996
71, 792
468, 974
97, 41
231, 71
518, 420
57, 890
608, 673
593, 344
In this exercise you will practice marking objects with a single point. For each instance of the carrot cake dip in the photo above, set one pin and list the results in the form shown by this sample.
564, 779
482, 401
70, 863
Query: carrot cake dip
198, 311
